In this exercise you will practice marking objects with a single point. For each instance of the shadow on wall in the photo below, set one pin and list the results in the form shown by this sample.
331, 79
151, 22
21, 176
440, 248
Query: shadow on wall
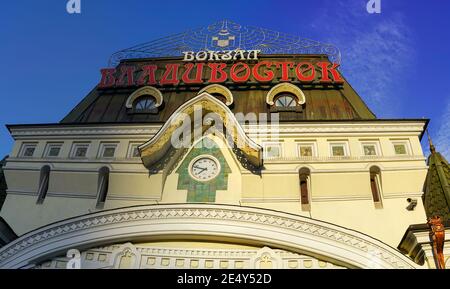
3, 187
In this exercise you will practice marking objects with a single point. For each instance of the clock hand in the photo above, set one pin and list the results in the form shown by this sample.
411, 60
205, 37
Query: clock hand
201, 169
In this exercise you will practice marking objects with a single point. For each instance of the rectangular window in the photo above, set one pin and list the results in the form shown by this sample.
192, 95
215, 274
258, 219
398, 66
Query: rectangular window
28, 150
102, 187
53, 150
133, 151
43, 184
305, 185
80, 150
401, 148
339, 150
107, 150
304, 191
370, 149
306, 150
374, 188
272, 150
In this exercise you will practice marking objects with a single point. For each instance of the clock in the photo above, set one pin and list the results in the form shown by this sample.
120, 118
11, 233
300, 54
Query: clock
204, 168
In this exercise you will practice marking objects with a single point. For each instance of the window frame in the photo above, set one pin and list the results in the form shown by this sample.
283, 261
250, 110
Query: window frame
374, 143
131, 147
102, 187
344, 144
375, 175
311, 144
296, 108
267, 144
25, 146
153, 110
305, 172
76, 146
102, 150
402, 142
44, 183
48, 148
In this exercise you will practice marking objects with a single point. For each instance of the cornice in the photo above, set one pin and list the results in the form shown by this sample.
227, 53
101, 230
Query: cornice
251, 130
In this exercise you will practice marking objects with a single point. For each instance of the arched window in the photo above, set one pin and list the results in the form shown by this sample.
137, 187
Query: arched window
146, 99
285, 100
102, 187
145, 104
305, 187
375, 185
286, 97
43, 184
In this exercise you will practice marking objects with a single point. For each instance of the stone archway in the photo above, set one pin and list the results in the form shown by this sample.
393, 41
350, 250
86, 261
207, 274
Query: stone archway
193, 221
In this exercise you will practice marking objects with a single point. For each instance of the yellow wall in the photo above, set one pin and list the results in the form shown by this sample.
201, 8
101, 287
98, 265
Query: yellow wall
340, 188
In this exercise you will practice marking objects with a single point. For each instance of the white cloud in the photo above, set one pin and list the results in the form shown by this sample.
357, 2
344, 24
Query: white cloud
442, 139
375, 50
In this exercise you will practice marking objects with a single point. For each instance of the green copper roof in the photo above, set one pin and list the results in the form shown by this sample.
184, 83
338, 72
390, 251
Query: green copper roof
436, 196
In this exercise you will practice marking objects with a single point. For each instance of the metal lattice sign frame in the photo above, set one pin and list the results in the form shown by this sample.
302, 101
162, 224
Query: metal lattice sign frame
227, 35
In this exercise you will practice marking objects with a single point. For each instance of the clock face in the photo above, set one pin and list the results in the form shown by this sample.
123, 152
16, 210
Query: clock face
204, 168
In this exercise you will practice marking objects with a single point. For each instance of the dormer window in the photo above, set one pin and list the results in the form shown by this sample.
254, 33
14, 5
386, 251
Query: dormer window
286, 97
147, 99
285, 100
145, 104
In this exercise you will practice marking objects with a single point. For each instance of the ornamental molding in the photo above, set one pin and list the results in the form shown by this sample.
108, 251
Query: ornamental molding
150, 257
61, 130
285, 88
217, 88
251, 130
335, 128
291, 232
147, 90
156, 147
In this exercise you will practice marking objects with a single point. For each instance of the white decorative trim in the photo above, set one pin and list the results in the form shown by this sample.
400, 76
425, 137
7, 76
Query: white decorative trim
172, 121
92, 130
273, 171
342, 198
358, 159
285, 129
266, 254
147, 90
72, 161
152, 257
270, 200
285, 87
127, 249
52, 194
133, 198
402, 195
338, 127
217, 88
294, 233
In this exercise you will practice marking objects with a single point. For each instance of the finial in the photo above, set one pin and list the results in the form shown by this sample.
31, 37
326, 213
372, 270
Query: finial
432, 148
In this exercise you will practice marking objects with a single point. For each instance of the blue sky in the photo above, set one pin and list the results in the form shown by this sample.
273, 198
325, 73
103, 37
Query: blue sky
398, 60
